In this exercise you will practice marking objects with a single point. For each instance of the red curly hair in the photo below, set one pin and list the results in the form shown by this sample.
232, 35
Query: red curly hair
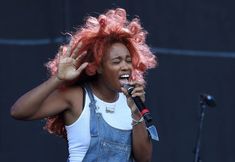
95, 37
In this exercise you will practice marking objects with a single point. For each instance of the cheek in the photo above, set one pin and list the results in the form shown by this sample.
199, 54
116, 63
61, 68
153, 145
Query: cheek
110, 71
111, 74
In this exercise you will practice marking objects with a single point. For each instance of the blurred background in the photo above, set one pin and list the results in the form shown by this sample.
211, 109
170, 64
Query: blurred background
195, 45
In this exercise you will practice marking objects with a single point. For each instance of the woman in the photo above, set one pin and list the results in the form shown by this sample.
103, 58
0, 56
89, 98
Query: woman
84, 99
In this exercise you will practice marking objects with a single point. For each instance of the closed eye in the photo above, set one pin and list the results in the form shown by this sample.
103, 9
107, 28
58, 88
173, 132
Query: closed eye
116, 61
129, 60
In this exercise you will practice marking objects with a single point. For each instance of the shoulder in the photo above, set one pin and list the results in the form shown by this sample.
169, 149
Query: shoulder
73, 93
74, 97
70, 95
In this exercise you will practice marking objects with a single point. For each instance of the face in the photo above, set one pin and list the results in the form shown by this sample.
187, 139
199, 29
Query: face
116, 66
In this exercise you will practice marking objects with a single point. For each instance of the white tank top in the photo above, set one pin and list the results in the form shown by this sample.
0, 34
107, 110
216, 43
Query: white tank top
116, 114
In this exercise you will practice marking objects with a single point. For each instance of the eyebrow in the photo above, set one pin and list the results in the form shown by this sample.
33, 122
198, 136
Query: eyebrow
119, 57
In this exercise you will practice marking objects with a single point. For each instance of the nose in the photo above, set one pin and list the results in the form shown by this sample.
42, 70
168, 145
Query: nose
125, 65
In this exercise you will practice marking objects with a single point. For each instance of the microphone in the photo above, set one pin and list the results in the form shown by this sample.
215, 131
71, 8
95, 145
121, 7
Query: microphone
207, 100
139, 103
144, 112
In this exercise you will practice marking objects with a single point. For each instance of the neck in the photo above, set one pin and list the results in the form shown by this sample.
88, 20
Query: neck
103, 92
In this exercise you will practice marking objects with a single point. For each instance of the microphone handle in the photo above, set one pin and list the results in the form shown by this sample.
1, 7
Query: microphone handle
145, 113
140, 105
143, 109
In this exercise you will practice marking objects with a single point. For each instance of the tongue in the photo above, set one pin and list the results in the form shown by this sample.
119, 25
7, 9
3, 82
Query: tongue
123, 81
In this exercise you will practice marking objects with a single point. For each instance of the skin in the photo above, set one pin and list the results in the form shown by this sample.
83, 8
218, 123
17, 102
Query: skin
47, 100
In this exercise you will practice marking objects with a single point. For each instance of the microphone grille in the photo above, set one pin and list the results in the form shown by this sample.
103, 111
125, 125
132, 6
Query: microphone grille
128, 87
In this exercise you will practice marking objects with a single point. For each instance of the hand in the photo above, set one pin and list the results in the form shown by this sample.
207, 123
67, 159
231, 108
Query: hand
137, 91
69, 66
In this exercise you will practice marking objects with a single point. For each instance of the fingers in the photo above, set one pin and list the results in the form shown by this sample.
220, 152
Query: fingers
75, 51
124, 90
73, 54
77, 61
68, 51
137, 84
60, 52
82, 67
137, 91
80, 56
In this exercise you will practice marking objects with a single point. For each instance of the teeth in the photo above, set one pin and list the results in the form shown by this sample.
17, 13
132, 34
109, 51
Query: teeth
125, 76
124, 79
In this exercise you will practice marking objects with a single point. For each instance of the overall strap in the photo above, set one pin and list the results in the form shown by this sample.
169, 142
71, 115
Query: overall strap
93, 116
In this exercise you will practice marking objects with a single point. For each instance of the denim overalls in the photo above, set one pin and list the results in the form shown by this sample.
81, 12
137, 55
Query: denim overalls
107, 144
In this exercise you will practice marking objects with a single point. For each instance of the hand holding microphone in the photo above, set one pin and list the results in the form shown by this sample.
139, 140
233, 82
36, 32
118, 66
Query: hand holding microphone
144, 111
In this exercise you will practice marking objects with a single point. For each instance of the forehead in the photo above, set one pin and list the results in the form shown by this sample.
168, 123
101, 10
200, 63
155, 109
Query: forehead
117, 50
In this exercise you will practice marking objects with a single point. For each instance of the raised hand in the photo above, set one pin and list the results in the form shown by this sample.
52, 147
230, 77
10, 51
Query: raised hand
70, 66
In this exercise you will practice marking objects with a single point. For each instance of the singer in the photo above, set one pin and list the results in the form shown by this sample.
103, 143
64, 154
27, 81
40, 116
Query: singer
84, 100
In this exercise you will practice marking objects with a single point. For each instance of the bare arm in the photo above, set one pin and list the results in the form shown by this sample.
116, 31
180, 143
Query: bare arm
46, 99
141, 143
42, 101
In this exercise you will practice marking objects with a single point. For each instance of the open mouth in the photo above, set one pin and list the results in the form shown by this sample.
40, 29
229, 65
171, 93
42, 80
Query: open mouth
124, 78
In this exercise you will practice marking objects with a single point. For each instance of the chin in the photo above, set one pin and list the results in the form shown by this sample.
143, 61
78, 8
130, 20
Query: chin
119, 89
